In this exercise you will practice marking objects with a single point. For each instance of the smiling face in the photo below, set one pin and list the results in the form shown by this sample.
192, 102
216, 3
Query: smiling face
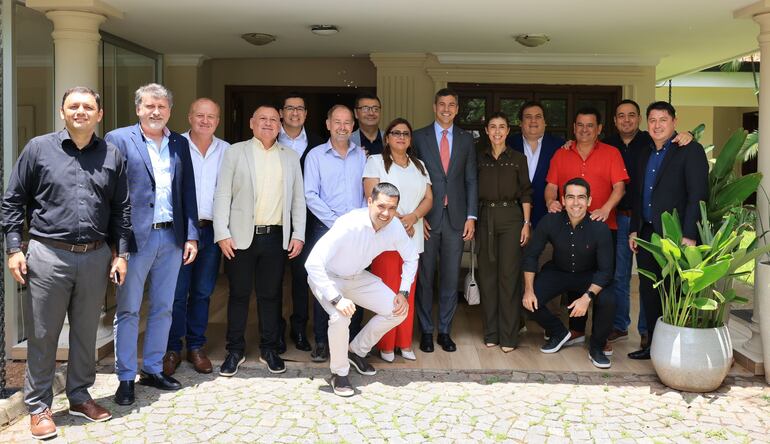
203, 118
533, 122
294, 113
576, 201
368, 112
497, 129
382, 210
81, 113
586, 128
153, 113
627, 120
340, 125
399, 139
265, 124
445, 109
661, 126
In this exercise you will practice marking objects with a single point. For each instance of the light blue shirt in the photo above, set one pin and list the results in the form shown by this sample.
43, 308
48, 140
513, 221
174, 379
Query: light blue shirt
333, 185
161, 170
297, 144
439, 131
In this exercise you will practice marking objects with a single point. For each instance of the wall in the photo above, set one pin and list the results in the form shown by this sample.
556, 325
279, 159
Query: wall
688, 117
183, 82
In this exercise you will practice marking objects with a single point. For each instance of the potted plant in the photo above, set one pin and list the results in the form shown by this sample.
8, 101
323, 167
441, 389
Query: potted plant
691, 349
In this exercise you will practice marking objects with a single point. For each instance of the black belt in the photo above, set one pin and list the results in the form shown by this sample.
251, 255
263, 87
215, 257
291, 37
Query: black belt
499, 203
203, 223
267, 229
162, 225
74, 248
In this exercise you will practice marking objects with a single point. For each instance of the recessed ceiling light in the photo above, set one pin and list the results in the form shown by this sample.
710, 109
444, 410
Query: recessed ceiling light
324, 29
532, 40
258, 38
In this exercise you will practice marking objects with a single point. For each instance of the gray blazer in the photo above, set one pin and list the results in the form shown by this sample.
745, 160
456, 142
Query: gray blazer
355, 137
460, 183
234, 198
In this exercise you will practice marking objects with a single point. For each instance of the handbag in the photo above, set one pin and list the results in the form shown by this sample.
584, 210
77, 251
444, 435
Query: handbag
471, 288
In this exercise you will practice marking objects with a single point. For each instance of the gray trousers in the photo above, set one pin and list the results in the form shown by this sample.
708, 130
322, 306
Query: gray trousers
62, 283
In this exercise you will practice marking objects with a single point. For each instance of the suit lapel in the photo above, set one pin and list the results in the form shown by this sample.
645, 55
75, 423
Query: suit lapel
433, 149
285, 171
141, 147
453, 153
666, 162
248, 153
173, 141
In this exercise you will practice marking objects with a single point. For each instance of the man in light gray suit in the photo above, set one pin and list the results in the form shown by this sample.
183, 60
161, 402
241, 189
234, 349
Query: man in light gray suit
259, 214
368, 135
450, 157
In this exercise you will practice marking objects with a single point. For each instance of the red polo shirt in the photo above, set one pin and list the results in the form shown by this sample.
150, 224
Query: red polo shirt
602, 168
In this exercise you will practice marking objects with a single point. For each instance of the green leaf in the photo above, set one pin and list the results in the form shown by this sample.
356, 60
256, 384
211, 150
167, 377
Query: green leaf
693, 256
648, 274
718, 296
672, 228
705, 304
670, 249
691, 275
711, 274
726, 159
654, 248
737, 191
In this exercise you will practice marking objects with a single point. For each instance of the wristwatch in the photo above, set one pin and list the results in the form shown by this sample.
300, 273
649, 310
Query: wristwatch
526, 222
124, 255
12, 250
405, 294
591, 295
336, 300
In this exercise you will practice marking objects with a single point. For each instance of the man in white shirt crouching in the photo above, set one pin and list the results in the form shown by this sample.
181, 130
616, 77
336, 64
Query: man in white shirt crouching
338, 278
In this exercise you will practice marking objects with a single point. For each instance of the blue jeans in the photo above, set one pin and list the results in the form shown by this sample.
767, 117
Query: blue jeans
623, 262
194, 286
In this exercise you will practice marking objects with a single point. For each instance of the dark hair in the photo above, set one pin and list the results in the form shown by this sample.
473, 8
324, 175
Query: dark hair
443, 92
367, 95
587, 111
579, 181
83, 90
335, 108
292, 95
530, 104
387, 189
498, 115
387, 158
628, 102
662, 106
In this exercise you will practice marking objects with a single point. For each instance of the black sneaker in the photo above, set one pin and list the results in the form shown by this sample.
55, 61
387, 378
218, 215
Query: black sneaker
233, 360
320, 353
598, 359
273, 361
341, 385
555, 342
361, 365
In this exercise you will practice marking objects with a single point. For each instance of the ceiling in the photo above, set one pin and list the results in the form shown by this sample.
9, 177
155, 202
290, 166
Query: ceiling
683, 35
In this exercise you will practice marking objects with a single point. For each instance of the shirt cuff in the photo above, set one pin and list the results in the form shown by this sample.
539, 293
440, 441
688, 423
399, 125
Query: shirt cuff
472, 217
12, 240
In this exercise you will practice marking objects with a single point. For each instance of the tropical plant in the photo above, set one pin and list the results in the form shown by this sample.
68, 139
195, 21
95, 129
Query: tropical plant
695, 282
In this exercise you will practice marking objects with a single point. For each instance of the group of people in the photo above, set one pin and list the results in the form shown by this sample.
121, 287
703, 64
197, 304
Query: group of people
365, 219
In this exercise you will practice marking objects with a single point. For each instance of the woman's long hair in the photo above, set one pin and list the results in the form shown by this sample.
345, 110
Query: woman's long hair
387, 158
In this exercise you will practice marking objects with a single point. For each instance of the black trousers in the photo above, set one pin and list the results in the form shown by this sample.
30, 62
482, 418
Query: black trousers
300, 293
260, 266
579, 323
649, 296
551, 282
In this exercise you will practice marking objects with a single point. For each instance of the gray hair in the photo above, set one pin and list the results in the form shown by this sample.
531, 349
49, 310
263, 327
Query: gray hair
156, 91
387, 189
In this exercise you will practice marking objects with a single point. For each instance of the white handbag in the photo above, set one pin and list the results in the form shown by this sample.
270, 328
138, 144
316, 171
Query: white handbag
471, 288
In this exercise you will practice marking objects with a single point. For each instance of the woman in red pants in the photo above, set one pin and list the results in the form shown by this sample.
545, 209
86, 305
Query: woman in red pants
398, 165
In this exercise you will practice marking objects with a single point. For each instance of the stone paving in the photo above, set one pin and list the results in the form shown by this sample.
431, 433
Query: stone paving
420, 405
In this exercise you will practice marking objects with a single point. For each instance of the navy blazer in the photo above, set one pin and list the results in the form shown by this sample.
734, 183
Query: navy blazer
141, 185
549, 146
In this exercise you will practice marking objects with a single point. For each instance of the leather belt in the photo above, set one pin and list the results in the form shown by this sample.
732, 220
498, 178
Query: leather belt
626, 213
204, 223
267, 229
499, 203
162, 225
73, 248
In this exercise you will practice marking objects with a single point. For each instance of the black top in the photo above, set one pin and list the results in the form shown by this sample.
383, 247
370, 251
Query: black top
70, 195
505, 178
371, 146
586, 247
630, 153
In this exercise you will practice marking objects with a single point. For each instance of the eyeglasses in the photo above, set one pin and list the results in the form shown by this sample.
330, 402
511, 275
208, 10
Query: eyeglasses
369, 109
299, 109
403, 134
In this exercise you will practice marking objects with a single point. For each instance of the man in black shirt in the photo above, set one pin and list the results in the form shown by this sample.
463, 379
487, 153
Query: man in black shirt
72, 189
583, 256
368, 135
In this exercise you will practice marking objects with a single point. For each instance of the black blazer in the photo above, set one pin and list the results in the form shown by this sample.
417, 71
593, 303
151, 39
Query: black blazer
681, 184
549, 146
313, 140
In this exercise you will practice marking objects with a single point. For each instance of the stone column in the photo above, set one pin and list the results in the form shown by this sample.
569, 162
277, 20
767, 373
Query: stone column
404, 87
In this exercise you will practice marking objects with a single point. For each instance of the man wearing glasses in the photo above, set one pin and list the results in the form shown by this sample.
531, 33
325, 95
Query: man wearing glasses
368, 135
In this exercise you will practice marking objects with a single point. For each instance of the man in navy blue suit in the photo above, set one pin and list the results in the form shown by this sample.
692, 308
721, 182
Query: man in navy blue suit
164, 216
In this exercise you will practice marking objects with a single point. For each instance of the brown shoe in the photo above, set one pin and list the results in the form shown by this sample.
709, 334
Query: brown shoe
617, 335
41, 425
199, 360
171, 361
91, 411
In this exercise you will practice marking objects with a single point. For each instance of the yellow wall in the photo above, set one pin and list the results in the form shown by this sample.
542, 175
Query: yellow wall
183, 82
732, 97
688, 117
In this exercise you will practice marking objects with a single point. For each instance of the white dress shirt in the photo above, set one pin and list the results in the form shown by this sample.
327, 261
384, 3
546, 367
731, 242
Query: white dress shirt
160, 158
206, 169
351, 245
533, 156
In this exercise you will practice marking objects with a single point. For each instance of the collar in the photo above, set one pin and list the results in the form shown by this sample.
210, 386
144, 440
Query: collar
302, 134
351, 146
166, 132
507, 152
64, 136
438, 128
258, 144
665, 145
214, 142
565, 218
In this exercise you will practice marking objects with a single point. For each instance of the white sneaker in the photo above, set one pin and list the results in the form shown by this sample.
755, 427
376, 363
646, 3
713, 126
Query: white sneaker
387, 357
408, 355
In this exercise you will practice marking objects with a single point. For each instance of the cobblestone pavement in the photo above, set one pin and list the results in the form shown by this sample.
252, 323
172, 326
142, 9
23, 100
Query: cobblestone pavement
420, 405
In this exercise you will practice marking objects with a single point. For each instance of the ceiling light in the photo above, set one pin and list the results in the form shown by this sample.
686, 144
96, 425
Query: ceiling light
324, 29
532, 40
258, 38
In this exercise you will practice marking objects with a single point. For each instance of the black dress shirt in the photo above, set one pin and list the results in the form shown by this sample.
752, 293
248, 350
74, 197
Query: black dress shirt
630, 153
586, 247
371, 146
66, 194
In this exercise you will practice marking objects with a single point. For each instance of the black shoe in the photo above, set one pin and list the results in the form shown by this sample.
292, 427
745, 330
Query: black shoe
301, 342
233, 360
361, 365
426, 343
273, 361
341, 385
124, 395
599, 359
321, 352
640, 354
446, 343
555, 342
159, 381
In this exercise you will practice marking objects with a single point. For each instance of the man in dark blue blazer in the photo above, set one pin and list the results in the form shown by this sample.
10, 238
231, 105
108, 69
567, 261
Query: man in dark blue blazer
164, 216
540, 147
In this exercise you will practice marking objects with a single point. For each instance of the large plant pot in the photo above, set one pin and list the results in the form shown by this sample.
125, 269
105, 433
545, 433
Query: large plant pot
691, 359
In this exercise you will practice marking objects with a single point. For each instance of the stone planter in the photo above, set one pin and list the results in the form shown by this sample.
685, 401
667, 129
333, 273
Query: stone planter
691, 359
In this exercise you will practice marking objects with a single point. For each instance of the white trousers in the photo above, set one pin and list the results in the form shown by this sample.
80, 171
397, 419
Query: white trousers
368, 291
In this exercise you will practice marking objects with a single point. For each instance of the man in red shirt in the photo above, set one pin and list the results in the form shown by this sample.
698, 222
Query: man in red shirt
602, 166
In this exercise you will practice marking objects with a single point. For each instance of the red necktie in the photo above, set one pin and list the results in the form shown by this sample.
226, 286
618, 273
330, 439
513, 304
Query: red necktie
444, 153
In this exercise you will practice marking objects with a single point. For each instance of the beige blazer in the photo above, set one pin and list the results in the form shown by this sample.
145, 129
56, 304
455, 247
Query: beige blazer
234, 199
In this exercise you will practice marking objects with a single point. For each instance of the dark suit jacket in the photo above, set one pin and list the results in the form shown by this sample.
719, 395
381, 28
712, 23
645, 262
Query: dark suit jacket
681, 184
313, 140
460, 183
141, 185
549, 146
